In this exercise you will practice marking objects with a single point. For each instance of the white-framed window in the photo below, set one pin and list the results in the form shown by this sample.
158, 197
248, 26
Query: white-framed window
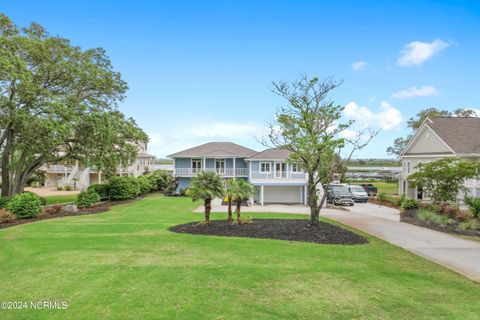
294, 168
265, 167
220, 165
196, 165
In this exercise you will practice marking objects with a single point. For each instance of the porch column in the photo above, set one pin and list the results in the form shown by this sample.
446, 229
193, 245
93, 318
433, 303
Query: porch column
305, 195
204, 164
99, 177
261, 195
234, 170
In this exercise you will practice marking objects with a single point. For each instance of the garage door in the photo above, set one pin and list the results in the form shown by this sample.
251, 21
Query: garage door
282, 195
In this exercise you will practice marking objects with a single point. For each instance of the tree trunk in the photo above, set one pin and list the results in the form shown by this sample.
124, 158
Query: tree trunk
313, 201
6, 185
208, 208
238, 203
229, 209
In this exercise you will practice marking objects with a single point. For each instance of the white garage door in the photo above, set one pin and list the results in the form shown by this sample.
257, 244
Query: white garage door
282, 195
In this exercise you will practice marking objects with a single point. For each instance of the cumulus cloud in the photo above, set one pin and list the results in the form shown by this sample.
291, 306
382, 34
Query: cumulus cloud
175, 136
388, 118
359, 65
411, 92
416, 53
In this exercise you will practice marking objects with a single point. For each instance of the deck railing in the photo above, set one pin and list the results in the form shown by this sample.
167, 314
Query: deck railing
227, 172
278, 175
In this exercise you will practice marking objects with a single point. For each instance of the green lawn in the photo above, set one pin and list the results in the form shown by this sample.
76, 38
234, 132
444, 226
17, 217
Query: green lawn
126, 264
61, 199
386, 187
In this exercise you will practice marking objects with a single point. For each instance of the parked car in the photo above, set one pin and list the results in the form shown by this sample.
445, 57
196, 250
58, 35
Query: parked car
370, 189
339, 195
359, 193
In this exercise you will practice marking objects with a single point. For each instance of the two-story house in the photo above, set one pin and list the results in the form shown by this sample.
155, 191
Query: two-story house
438, 138
275, 179
75, 174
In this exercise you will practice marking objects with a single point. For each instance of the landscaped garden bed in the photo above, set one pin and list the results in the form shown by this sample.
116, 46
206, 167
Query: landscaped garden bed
432, 219
57, 211
280, 229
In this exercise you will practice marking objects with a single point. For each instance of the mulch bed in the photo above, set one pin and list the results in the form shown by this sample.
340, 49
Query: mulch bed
98, 208
410, 216
101, 207
281, 229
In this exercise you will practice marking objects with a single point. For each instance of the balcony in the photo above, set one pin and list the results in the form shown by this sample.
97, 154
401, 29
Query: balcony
279, 176
226, 172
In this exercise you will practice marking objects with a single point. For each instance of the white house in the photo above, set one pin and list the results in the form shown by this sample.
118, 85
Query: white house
76, 174
438, 138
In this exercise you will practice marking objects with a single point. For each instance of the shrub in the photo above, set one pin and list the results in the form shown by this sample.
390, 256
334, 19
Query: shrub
122, 188
4, 201
68, 188
146, 184
25, 205
473, 204
59, 188
55, 209
400, 200
382, 196
430, 216
6, 216
162, 180
100, 189
468, 225
409, 204
87, 198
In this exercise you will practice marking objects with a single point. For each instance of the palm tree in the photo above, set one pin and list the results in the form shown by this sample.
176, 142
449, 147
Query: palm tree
206, 186
244, 190
230, 192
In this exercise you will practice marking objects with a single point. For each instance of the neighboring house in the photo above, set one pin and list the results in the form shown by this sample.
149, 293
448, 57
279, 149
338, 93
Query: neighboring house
439, 138
75, 174
275, 180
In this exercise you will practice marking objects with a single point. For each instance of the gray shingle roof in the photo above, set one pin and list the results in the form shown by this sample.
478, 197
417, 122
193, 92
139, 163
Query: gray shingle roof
215, 149
462, 135
271, 154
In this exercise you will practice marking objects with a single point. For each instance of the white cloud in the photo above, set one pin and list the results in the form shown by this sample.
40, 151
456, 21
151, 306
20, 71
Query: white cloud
177, 136
359, 65
416, 53
348, 134
411, 92
389, 118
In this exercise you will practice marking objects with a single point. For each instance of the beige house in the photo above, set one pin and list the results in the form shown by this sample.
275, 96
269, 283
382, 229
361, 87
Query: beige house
438, 138
76, 175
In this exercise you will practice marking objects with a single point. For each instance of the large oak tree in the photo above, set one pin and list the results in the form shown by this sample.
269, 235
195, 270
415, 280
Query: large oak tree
58, 103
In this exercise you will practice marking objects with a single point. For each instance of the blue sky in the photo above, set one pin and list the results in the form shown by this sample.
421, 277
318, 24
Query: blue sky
201, 71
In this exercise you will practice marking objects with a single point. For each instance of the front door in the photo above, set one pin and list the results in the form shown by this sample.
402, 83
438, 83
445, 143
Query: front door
281, 170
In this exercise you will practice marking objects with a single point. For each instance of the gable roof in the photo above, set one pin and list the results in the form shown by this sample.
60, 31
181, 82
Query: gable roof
461, 135
215, 149
271, 154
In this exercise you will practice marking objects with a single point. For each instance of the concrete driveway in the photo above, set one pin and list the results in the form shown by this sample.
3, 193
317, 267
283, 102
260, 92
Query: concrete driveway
455, 253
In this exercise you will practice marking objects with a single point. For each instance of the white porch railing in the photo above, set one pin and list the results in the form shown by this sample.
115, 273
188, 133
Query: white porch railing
279, 175
226, 172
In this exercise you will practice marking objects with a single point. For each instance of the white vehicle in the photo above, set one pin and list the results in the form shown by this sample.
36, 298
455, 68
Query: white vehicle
359, 194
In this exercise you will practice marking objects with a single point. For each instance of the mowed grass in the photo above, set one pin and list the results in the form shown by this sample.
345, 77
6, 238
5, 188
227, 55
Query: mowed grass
125, 264
61, 199
386, 187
